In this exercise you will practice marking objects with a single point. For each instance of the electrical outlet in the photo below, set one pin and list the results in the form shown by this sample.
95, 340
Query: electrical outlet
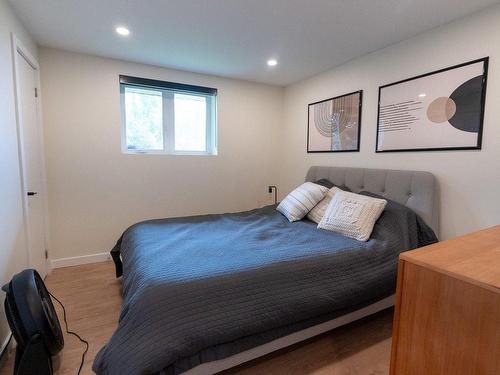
273, 189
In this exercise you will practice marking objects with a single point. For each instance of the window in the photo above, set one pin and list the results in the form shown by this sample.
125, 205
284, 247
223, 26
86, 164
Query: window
167, 118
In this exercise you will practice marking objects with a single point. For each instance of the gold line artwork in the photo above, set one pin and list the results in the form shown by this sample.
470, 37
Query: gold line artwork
337, 120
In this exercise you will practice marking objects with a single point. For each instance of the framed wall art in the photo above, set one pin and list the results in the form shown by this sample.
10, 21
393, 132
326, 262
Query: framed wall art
334, 124
442, 110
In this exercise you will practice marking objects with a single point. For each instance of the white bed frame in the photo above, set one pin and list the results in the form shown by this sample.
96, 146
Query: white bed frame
285, 341
417, 190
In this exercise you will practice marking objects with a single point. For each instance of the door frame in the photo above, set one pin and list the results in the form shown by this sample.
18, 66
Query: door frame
20, 51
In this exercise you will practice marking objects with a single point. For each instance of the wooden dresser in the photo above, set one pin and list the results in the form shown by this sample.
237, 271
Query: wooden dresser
447, 318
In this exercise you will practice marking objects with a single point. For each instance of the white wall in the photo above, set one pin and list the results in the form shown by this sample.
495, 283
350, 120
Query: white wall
95, 191
13, 254
469, 180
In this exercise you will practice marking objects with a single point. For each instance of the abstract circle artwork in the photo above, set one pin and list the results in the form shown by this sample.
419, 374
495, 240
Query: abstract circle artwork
467, 98
441, 110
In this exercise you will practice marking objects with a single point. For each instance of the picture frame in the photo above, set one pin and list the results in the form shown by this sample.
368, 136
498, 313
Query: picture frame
334, 124
438, 111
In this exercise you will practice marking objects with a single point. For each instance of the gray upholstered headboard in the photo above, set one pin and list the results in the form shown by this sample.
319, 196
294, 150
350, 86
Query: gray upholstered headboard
416, 190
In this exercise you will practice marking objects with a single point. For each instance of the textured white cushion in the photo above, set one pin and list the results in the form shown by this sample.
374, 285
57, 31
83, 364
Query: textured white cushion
352, 215
317, 213
299, 202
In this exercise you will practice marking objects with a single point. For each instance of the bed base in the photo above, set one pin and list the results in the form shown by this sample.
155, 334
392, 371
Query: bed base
214, 367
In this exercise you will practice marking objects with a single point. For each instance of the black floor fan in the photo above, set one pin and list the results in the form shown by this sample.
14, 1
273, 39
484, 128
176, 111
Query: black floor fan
33, 322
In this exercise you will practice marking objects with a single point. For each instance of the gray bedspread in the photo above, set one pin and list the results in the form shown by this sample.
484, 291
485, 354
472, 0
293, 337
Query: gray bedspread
201, 288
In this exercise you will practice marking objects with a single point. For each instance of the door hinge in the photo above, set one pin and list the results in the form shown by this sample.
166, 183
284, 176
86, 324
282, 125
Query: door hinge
46, 254
36, 92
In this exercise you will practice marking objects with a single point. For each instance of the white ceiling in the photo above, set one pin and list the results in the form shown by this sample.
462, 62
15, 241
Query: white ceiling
235, 38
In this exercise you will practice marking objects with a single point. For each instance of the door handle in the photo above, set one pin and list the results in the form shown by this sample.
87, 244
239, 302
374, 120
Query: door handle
30, 193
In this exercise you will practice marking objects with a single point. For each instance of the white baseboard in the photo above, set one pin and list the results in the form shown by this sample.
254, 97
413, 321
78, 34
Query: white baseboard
84, 259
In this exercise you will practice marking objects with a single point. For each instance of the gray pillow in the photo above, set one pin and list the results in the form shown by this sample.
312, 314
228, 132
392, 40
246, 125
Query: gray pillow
328, 184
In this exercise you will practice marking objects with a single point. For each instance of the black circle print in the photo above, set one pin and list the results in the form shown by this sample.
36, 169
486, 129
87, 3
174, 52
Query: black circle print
467, 98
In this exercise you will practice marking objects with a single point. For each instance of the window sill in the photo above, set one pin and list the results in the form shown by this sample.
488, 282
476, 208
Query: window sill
177, 153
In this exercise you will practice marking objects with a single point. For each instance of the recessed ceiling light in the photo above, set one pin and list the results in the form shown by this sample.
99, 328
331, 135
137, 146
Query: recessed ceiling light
272, 62
122, 31
422, 95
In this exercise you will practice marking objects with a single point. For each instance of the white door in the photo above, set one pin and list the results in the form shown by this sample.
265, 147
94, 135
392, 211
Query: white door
31, 162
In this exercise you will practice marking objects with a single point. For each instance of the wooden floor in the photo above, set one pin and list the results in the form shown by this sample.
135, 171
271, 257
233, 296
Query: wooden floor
92, 297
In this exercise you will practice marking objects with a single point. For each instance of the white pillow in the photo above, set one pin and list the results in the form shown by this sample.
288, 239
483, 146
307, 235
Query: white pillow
317, 213
299, 202
352, 215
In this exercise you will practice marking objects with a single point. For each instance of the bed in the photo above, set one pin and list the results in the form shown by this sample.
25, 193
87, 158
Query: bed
205, 293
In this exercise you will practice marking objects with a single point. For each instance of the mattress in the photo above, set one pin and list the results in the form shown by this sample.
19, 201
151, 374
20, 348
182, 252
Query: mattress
203, 288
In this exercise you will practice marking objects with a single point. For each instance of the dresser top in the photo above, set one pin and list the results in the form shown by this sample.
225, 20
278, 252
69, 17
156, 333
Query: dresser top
474, 258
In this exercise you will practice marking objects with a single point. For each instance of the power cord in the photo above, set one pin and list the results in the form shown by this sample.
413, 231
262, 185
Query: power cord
73, 333
6, 348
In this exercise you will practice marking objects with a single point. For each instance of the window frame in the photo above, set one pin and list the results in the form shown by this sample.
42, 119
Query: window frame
168, 90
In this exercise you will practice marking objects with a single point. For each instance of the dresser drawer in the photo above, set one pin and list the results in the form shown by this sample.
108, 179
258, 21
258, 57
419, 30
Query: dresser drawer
444, 325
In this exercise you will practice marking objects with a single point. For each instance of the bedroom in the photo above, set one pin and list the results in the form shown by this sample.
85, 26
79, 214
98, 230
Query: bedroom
259, 67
